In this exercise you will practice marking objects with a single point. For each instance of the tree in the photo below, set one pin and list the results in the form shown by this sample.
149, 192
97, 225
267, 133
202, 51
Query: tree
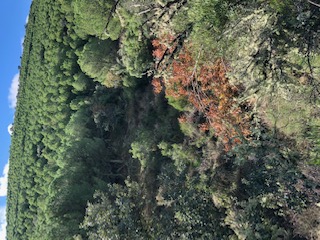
116, 213
98, 61
81, 82
91, 17
135, 53
207, 89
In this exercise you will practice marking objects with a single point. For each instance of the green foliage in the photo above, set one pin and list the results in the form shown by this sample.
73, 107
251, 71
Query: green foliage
180, 154
280, 6
311, 134
77, 127
98, 61
135, 54
135, 49
189, 210
87, 23
209, 14
142, 149
81, 83
251, 221
87, 119
114, 28
115, 213
180, 104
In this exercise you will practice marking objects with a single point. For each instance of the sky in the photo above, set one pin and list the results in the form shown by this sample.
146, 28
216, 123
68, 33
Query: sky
13, 17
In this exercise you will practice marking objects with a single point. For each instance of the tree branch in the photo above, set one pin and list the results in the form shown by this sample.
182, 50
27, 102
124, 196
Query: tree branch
313, 3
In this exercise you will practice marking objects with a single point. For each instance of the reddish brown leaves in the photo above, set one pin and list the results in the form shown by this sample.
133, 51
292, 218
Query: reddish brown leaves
208, 90
157, 86
163, 47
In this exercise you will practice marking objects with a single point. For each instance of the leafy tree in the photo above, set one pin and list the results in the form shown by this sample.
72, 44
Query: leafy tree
81, 83
116, 213
87, 23
134, 46
98, 61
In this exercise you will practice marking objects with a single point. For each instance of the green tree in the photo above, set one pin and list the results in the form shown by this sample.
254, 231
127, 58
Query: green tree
91, 17
98, 61
116, 213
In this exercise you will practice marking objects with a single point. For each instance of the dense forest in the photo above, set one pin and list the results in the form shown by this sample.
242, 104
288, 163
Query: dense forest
167, 119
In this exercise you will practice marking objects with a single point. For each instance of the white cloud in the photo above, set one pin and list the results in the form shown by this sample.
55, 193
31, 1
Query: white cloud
10, 129
3, 223
13, 92
4, 181
3, 192
21, 43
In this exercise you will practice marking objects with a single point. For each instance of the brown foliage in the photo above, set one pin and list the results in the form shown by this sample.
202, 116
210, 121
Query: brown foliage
162, 48
208, 90
157, 86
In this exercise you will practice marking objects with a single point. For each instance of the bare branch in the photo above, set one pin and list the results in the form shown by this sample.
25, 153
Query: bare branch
113, 9
313, 3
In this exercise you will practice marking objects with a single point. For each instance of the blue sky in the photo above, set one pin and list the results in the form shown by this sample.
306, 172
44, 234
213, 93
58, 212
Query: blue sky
13, 15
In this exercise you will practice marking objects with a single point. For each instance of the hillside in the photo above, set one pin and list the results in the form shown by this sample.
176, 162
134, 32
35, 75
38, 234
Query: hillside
167, 119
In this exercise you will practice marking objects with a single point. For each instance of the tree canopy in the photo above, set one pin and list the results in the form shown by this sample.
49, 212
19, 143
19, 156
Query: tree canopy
167, 119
